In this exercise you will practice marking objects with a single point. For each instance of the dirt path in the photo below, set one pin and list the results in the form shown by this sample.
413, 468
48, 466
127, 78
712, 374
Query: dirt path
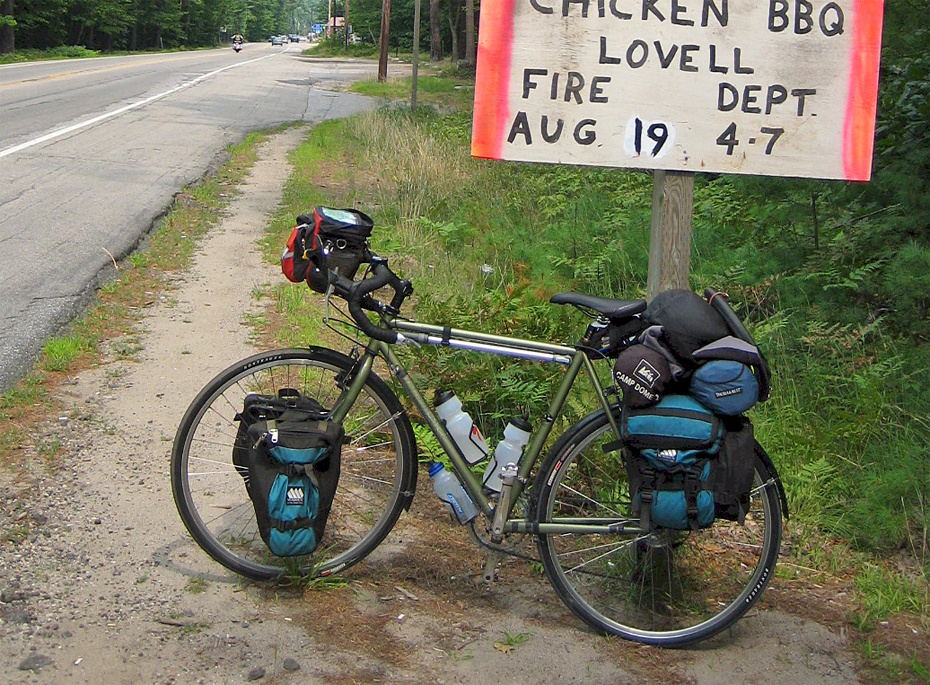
102, 584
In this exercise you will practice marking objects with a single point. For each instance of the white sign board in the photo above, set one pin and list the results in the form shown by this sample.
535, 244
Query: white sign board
772, 87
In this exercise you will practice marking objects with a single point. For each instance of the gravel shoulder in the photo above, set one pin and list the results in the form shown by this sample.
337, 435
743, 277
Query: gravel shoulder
99, 582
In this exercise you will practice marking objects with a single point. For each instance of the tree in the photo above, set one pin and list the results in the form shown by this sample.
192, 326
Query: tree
435, 37
7, 24
471, 49
455, 23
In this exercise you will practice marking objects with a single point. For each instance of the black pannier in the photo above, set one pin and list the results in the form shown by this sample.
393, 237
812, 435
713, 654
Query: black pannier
733, 470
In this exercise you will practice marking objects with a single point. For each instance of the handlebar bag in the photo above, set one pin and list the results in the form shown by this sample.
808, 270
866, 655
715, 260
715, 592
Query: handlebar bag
325, 239
290, 460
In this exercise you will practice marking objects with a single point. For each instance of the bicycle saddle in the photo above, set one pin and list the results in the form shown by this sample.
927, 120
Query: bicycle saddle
612, 309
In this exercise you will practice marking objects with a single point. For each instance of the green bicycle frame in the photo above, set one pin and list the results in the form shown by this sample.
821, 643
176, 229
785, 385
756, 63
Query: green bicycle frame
574, 360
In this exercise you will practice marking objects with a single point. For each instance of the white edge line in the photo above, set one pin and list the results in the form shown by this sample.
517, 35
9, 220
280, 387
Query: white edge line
121, 110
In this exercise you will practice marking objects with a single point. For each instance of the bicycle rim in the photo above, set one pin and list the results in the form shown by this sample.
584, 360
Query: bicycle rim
670, 588
376, 482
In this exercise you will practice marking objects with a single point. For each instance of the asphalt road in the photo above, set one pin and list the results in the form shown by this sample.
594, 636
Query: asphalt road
93, 151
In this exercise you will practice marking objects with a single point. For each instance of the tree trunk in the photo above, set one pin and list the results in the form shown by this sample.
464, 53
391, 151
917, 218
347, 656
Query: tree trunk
7, 37
384, 40
470, 44
454, 29
435, 38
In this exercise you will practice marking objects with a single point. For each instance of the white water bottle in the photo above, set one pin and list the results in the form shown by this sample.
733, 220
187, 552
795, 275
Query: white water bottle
448, 488
508, 451
464, 432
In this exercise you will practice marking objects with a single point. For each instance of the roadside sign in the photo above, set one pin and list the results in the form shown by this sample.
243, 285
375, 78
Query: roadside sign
769, 87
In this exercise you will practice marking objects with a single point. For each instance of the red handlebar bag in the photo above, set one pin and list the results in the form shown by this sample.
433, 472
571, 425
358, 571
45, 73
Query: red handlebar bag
326, 239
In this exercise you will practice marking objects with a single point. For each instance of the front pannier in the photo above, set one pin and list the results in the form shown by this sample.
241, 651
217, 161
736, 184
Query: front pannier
289, 457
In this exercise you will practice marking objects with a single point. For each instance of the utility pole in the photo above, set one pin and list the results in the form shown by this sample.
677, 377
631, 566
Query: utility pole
345, 25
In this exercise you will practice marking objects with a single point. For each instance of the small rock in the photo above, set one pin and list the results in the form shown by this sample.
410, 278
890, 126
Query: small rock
34, 662
291, 664
256, 673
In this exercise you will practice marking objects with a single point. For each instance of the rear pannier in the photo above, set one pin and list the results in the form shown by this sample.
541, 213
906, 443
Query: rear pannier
677, 422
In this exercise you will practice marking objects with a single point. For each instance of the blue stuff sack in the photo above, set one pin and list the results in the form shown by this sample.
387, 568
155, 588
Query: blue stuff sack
675, 486
677, 422
725, 387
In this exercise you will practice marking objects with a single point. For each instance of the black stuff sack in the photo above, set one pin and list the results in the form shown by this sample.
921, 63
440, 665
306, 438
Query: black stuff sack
291, 467
725, 387
641, 374
688, 322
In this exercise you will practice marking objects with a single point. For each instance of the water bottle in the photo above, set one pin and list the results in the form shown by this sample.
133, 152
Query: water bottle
508, 451
448, 488
464, 432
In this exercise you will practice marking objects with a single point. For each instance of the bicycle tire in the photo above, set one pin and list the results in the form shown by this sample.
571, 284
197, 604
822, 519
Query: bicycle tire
669, 588
378, 476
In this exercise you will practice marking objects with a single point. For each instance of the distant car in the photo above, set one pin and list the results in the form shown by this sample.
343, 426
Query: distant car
293, 37
277, 40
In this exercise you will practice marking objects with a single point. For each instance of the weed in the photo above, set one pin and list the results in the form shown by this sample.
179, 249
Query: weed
196, 585
514, 639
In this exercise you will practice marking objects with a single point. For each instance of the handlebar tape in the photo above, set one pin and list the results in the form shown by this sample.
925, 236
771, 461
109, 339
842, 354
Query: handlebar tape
356, 294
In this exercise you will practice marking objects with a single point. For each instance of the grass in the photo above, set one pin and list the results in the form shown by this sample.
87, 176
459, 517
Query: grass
75, 52
846, 425
841, 422
119, 304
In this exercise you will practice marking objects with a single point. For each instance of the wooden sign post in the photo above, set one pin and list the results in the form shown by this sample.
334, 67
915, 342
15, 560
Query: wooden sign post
670, 232
770, 87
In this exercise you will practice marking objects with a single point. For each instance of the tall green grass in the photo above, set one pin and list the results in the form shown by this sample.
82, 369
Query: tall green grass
487, 243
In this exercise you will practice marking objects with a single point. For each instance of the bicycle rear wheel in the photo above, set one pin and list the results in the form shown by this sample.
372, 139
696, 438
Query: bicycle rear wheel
670, 588
378, 464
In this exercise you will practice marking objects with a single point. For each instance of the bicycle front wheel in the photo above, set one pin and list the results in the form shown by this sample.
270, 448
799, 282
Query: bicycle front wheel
378, 464
669, 588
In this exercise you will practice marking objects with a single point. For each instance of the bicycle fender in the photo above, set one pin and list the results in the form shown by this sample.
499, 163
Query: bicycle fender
773, 472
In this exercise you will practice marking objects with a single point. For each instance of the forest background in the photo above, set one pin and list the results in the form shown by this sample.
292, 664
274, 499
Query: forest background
833, 278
